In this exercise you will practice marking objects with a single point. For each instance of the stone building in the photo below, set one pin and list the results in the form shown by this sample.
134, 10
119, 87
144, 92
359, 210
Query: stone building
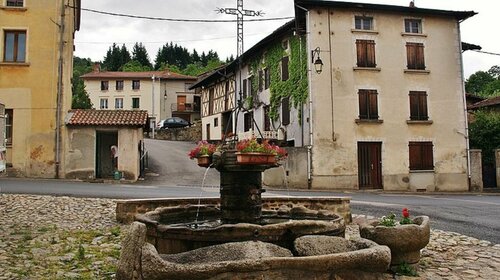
36, 66
369, 96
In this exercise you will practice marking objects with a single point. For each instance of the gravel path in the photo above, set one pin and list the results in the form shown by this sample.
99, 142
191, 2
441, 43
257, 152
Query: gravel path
45, 237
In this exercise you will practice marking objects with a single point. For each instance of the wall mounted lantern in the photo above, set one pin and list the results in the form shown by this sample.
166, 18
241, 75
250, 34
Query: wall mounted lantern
318, 63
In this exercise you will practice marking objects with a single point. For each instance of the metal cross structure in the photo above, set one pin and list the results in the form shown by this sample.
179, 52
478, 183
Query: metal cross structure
240, 13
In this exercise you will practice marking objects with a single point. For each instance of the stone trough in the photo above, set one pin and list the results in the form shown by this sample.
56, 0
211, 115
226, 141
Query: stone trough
316, 257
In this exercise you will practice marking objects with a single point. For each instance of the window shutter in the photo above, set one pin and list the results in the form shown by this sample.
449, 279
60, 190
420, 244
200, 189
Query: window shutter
420, 61
284, 68
414, 115
361, 50
261, 80
427, 157
373, 106
422, 105
411, 54
267, 75
244, 87
421, 156
363, 104
415, 158
285, 111
267, 119
370, 53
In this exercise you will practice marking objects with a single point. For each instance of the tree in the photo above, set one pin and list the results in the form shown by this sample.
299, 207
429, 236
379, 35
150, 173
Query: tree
135, 66
140, 54
485, 134
477, 82
80, 98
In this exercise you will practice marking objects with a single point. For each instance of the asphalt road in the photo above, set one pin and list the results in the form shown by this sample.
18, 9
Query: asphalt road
177, 176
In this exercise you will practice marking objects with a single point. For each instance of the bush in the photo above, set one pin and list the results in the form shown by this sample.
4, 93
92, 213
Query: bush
484, 134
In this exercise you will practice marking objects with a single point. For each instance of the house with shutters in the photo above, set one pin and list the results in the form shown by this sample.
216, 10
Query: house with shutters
36, 66
366, 96
163, 94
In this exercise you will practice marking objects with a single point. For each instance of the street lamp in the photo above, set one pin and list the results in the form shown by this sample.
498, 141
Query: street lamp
165, 100
318, 63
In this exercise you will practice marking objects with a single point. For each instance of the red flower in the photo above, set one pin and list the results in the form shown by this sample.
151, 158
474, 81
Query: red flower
406, 213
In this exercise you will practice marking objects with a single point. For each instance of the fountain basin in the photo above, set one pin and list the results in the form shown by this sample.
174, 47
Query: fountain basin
183, 228
140, 260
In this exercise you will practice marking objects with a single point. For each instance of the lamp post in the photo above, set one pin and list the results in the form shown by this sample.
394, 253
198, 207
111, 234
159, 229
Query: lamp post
153, 125
165, 101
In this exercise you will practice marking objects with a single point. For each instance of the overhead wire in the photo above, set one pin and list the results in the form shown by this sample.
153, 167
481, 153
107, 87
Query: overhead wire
492, 53
177, 19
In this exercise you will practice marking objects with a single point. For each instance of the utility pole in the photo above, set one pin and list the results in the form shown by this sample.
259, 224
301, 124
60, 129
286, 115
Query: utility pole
153, 123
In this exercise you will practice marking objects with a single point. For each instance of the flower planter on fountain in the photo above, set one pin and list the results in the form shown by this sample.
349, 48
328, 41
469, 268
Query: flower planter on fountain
405, 241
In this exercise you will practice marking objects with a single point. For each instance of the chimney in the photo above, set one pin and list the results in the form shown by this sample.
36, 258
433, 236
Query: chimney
412, 4
97, 67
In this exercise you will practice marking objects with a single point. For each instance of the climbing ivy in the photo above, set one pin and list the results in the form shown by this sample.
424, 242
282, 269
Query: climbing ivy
296, 85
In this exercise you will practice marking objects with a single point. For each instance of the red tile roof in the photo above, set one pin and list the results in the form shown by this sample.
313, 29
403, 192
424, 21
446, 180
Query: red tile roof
486, 103
92, 117
168, 75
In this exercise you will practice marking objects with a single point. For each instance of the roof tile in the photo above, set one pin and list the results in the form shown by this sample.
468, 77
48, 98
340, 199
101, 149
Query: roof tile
81, 117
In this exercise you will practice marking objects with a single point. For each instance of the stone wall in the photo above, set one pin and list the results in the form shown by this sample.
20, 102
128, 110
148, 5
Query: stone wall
192, 133
127, 209
476, 167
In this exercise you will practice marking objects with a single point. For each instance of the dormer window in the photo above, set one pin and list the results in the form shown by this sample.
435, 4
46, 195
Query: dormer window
413, 26
363, 23
15, 3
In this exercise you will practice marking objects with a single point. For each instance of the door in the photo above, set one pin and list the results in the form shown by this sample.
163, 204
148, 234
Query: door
370, 165
104, 163
181, 103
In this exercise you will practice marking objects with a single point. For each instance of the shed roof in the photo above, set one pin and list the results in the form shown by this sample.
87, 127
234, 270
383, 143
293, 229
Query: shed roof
91, 117
494, 101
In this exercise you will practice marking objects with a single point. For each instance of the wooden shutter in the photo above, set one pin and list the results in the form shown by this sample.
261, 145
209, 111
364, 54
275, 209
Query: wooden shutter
421, 156
284, 68
365, 50
363, 104
420, 56
261, 80
373, 105
244, 86
418, 105
285, 111
414, 106
415, 56
248, 121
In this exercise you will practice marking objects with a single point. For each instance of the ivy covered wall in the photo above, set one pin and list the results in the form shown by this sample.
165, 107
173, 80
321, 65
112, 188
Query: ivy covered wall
296, 85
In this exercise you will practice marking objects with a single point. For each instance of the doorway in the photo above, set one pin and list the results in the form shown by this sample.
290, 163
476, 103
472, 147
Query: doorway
104, 164
370, 165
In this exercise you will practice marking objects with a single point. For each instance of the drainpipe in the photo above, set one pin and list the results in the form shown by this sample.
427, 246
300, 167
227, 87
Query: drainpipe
464, 100
60, 89
309, 147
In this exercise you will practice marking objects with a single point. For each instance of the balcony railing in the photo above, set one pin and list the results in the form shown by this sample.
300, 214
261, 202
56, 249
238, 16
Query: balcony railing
185, 107
276, 135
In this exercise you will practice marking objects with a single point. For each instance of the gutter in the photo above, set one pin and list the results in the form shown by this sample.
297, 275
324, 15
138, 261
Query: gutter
464, 100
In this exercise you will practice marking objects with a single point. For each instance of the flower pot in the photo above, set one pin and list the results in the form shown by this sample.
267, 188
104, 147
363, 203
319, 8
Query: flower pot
204, 161
255, 158
405, 241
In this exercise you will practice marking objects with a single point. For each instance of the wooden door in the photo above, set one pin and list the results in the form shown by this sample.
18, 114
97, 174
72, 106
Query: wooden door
370, 165
181, 103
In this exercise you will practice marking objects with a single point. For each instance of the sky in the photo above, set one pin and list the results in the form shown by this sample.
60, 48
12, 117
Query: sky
98, 32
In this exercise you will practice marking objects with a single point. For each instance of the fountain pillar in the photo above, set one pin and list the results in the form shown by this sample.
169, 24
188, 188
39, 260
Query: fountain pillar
240, 189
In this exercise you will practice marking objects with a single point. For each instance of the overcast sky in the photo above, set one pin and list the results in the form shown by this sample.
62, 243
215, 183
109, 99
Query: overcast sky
98, 31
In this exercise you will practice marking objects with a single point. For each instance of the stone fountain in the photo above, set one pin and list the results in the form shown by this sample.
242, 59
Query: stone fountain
238, 239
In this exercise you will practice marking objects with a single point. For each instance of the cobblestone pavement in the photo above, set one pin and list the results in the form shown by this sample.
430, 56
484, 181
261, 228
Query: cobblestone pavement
45, 237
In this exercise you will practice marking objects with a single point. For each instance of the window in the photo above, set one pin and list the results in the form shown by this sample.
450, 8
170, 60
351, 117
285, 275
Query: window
245, 85
421, 157
118, 103
104, 103
284, 68
216, 122
135, 102
267, 118
15, 3
248, 121
363, 23
413, 25
136, 84
119, 85
415, 56
211, 96
418, 106
368, 108
15, 46
365, 50
285, 111
261, 80
9, 113
267, 78
104, 85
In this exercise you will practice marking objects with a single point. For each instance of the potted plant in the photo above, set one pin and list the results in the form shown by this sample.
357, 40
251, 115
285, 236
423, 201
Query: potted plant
405, 237
250, 151
203, 153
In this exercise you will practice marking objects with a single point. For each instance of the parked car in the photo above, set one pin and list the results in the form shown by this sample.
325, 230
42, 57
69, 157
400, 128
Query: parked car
175, 122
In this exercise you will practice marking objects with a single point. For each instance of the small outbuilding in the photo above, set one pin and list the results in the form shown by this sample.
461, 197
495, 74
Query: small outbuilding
105, 144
